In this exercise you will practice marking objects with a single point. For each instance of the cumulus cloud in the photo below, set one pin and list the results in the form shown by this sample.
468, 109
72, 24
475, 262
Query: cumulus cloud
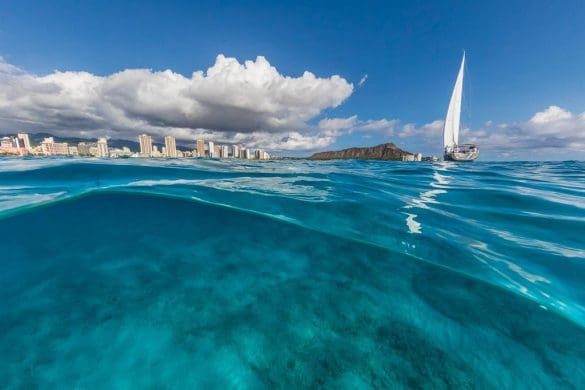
340, 126
334, 126
387, 126
551, 129
230, 98
280, 142
429, 130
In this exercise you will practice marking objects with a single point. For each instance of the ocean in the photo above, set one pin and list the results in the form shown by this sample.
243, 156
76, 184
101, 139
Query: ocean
234, 274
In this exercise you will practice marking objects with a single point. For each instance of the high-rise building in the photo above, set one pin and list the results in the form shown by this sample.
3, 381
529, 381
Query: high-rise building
224, 151
262, 155
25, 140
145, 145
235, 151
246, 154
171, 146
102, 147
200, 147
211, 148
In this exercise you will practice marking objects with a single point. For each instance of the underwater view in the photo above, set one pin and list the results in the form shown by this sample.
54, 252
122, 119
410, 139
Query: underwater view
235, 274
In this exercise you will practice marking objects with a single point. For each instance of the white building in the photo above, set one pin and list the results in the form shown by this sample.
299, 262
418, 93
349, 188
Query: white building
224, 151
211, 149
124, 152
102, 147
6, 143
170, 146
47, 146
11, 145
51, 148
61, 148
156, 152
235, 151
25, 141
145, 145
261, 155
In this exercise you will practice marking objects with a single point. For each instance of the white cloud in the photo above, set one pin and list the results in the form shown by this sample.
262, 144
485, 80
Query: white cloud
429, 130
340, 126
552, 115
309, 140
334, 126
8, 68
229, 98
553, 129
362, 80
385, 125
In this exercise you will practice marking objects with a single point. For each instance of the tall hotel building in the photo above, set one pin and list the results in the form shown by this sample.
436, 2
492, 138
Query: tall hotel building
200, 147
25, 140
211, 149
145, 145
102, 147
224, 151
171, 146
236, 151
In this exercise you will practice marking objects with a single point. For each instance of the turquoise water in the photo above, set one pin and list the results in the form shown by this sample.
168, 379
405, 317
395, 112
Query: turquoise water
291, 274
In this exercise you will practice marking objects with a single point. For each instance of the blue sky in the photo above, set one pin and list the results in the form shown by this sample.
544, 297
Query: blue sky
523, 57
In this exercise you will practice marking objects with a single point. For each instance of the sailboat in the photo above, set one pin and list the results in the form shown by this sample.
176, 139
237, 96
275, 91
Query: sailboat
452, 149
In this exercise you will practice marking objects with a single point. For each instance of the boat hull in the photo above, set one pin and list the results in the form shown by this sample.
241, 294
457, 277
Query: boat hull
467, 152
461, 156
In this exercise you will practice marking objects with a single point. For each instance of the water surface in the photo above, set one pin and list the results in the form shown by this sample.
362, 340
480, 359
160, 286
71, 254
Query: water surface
287, 274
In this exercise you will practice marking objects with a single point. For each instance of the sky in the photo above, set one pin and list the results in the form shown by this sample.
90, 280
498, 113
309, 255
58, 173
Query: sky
295, 77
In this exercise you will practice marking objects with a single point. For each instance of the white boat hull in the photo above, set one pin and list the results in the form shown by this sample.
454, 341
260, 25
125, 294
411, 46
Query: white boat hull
460, 156
467, 152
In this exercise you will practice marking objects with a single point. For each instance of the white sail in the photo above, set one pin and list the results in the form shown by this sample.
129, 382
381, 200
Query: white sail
451, 130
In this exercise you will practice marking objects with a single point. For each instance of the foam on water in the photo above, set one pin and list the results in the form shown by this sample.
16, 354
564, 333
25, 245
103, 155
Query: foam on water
230, 274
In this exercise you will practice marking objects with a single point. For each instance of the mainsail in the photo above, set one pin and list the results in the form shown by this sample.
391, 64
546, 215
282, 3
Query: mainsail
451, 130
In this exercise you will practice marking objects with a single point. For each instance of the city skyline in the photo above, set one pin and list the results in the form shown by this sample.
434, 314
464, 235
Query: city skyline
20, 145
